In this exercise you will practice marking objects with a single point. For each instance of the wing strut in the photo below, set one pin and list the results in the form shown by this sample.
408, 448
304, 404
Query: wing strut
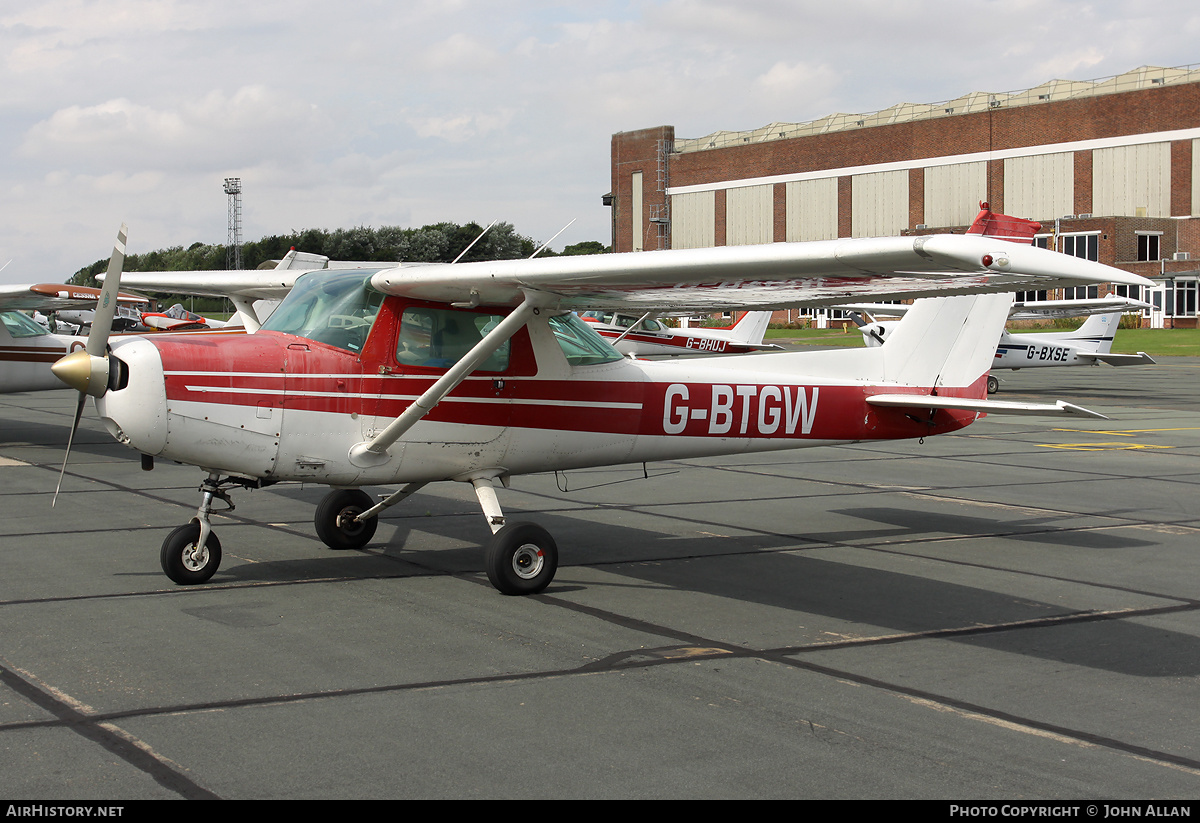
640, 321
373, 452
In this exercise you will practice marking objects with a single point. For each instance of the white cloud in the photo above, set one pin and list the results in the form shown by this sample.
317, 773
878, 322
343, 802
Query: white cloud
217, 130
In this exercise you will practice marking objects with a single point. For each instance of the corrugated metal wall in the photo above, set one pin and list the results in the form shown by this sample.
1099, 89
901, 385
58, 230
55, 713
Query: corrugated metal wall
1134, 181
953, 193
693, 220
812, 209
1040, 187
749, 215
880, 204
635, 213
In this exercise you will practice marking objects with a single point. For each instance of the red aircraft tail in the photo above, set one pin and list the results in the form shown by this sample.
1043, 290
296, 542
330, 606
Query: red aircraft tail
1003, 227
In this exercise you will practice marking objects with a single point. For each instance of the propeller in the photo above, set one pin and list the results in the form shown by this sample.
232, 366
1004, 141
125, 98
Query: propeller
86, 369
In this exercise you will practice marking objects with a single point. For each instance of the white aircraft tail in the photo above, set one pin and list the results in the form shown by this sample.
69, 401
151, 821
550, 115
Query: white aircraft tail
751, 327
945, 341
940, 342
1096, 334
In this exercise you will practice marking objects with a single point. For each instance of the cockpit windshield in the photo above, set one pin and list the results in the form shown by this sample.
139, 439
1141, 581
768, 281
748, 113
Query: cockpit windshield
581, 345
331, 307
21, 325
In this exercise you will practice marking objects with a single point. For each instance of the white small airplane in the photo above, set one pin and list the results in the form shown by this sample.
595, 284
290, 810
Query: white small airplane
646, 336
28, 349
1088, 345
478, 372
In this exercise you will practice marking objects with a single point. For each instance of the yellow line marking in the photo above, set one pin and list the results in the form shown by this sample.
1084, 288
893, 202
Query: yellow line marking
1131, 432
1101, 447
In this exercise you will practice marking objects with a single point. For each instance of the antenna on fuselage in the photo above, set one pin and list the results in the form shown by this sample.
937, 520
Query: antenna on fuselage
551, 240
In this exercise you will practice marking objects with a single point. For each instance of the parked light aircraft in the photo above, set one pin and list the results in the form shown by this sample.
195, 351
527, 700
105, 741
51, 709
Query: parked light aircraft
27, 349
1088, 345
177, 318
480, 371
645, 335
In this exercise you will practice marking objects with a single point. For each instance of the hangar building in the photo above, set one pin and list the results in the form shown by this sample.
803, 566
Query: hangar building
1110, 167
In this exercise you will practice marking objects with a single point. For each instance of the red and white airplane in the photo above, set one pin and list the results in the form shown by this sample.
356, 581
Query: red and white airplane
647, 336
27, 349
477, 372
177, 318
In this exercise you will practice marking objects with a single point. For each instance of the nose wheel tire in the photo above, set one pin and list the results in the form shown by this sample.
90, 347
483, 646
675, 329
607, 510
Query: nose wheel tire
993, 384
184, 561
521, 559
335, 521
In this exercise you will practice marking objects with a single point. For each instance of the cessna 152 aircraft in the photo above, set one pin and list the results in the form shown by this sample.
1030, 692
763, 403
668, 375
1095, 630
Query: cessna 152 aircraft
645, 335
1088, 345
476, 372
27, 349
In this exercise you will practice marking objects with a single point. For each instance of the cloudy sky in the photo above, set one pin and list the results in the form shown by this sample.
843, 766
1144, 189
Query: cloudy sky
411, 112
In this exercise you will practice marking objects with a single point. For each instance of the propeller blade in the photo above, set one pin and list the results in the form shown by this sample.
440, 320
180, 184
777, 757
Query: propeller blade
87, 370
70, 440
106, 306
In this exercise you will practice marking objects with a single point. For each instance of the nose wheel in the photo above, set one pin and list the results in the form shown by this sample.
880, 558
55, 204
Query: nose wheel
185, 560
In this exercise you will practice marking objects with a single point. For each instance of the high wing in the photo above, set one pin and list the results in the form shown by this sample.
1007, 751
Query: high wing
1030, 309
1024, 309
771, 276
254, 292
252, 284
57, 297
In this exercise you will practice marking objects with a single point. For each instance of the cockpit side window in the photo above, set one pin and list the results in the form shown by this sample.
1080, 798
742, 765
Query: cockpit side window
21, 325
439, 338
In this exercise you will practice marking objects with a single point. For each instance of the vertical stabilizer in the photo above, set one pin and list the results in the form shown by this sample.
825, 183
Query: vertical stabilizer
946, 341
751, 327
1097, 333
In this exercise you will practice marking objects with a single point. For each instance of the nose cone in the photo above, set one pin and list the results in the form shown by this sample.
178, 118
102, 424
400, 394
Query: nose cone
135, 413
83, 372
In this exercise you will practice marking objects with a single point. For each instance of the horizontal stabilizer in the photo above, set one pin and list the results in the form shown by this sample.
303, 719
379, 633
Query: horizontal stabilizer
1139, 359
927, 401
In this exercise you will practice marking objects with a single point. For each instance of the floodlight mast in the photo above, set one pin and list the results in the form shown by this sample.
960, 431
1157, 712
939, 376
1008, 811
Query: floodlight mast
233, 239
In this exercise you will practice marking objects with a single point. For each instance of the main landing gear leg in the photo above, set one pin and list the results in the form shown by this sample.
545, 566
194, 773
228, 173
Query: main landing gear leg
521, 558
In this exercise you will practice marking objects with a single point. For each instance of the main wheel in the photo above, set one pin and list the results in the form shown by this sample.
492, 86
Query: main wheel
993, 384
335, 521
521, 558
186, 563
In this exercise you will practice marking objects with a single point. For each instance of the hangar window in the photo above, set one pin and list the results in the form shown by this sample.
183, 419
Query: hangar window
1086, 246
1148, 245
1181, 298
1081, 293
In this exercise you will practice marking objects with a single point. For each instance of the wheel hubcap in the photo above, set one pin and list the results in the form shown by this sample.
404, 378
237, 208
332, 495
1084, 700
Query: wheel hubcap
195, 558
347, 523
527, 561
